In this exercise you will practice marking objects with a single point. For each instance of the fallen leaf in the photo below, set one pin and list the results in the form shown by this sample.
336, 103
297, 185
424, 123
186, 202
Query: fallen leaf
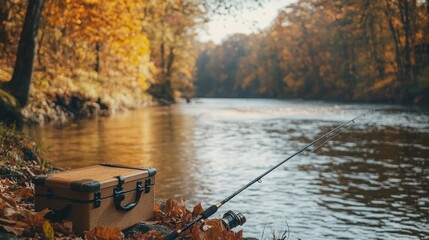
172, 210
198, 210
156, 207
5, 182
213, 229
9, 200
12, 229
48, 231
24, 192
105, 233
151, 235
13, 226
36, 218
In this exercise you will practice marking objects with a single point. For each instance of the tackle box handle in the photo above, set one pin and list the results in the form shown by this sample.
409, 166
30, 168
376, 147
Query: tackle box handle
119, 195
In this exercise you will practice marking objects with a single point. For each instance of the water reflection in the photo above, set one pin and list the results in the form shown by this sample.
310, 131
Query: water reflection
154, 137
380, 184
369, 182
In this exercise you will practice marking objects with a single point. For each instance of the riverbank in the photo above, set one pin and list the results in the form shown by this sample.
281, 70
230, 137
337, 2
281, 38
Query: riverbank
21, 159
59, 96
83, 95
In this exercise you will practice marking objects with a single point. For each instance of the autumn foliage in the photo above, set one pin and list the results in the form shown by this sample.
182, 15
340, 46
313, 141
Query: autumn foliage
176, 216
106, 55
320, 49
17, 216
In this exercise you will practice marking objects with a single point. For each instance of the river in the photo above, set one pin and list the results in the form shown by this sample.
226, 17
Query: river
370, 182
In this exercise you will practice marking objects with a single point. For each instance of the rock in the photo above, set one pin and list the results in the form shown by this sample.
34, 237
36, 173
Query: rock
143, 228
90, 109
28, 154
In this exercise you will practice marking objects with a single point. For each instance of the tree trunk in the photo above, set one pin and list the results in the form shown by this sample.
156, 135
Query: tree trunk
396, 40
19, 86
170, 63
318, 85
97, 58
404, 10
162, 51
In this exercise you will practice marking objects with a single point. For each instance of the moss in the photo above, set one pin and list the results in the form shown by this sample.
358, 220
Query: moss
10, 110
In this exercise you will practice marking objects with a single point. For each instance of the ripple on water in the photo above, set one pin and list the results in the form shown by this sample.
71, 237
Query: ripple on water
370, 182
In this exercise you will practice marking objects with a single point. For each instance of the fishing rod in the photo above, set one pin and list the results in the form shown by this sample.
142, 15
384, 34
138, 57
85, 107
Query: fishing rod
322, 140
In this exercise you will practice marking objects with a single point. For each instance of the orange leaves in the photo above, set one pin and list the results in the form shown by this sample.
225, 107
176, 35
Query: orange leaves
213, 229
105, 233
18, 217
35, 219
24, 192
12, 226
176, 216
198, 210
151, 235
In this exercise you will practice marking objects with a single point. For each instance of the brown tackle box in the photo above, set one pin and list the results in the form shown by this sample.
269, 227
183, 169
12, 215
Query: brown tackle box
101, 195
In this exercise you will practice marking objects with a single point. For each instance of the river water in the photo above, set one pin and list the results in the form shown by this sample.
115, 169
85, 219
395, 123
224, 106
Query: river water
370, 182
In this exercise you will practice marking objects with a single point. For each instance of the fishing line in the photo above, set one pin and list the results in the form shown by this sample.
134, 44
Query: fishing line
327, 139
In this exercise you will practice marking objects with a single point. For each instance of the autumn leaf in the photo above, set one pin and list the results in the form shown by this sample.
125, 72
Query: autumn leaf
13, 226
6, 198
48, 231
5, 183
158, 213
198, 210
105, 233
151, 235
214, 229
64, 228
36, 218
24, 192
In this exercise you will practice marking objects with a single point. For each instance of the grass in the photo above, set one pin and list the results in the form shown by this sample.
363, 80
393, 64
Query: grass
20, 157
282, 234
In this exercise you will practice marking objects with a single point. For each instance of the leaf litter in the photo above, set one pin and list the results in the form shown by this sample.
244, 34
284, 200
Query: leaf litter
17, 216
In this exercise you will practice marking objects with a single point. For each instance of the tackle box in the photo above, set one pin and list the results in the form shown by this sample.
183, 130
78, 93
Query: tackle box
100, 195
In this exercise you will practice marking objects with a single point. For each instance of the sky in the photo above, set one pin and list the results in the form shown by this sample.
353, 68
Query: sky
247, 20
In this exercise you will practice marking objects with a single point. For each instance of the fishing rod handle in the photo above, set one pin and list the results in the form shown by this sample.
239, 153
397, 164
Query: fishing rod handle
206, 214
209, 211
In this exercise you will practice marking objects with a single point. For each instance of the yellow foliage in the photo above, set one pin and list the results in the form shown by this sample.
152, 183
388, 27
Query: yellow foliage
381, 84
48, 231
294, 84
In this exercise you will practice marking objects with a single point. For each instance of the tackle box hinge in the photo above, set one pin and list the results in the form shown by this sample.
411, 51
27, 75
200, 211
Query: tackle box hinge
147, 185
97, 199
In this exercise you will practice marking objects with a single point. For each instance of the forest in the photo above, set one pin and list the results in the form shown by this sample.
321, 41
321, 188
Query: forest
95, 57
372, 51
88, 58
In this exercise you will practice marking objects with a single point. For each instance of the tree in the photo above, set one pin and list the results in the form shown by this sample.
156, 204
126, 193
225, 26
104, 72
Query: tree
331, 49
19, 86
170, 26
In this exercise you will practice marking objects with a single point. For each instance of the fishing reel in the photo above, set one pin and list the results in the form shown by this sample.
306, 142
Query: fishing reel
231, 220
